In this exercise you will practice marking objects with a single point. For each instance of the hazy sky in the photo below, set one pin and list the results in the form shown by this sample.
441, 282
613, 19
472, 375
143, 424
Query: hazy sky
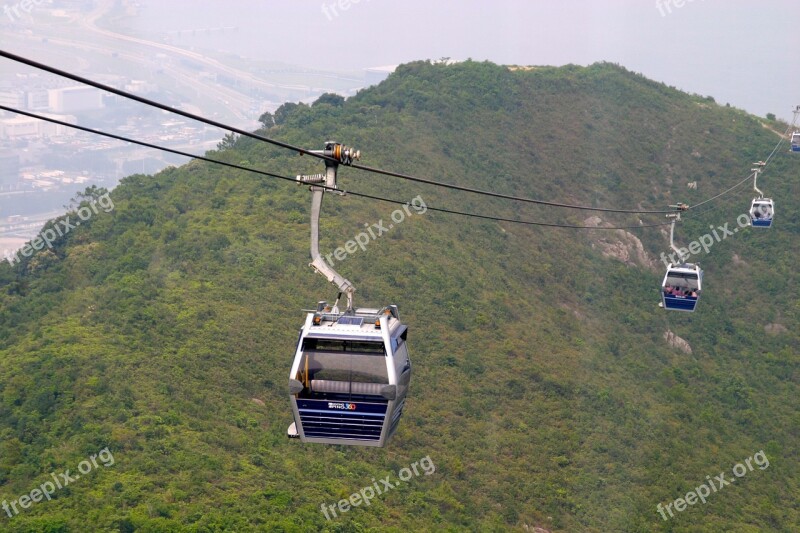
742, 52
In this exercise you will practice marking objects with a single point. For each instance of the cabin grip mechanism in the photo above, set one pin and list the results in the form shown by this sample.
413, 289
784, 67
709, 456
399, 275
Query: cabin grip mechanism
334, 154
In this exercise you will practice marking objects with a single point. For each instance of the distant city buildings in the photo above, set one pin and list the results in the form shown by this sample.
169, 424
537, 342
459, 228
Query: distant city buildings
42, 165
38, 100
12, 98
141, 87
72, 99
55, 100
22, 127
58, 103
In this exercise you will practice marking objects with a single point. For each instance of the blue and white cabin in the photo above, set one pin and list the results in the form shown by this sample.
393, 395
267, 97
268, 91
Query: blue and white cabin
350, 377
682, 286
762, 212
796, 141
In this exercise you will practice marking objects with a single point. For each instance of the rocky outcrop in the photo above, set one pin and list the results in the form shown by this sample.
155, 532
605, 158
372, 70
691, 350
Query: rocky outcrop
775, 329
677, 342
621, 245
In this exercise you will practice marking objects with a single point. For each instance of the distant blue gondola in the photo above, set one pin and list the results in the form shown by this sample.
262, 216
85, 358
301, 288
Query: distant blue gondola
680, 290
762, 212
796, 141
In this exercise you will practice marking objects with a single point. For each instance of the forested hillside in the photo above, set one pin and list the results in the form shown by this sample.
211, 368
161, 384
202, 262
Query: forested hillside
545, 391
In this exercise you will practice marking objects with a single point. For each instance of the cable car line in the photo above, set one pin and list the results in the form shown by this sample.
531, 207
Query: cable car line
777, 146
723, 193
792, 146
500, 195
152, 103
713, 208
294, 180
762, 210
752, 172
682, 286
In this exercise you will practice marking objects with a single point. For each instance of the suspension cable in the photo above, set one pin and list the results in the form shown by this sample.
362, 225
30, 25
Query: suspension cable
293, 180
152, 103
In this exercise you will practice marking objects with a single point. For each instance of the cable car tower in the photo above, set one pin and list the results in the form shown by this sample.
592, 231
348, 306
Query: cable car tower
351, 370
683, 282
762, 210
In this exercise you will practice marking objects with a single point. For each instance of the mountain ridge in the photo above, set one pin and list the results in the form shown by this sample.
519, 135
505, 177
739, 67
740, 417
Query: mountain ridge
544, 390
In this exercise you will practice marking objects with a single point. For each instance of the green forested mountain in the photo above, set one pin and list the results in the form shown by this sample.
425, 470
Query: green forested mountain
545, 391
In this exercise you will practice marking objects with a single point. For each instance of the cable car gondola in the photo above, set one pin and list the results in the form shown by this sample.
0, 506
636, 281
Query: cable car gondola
351, 369
681, 288
796, 141
683, 282
762, 211
350, 376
